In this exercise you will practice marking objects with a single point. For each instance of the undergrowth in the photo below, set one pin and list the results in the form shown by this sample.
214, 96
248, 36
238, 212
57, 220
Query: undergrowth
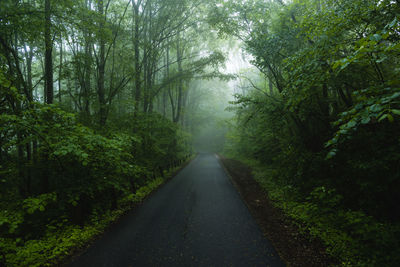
61, 240
352, 237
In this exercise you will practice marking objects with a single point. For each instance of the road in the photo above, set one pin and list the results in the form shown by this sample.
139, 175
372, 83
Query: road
196, 219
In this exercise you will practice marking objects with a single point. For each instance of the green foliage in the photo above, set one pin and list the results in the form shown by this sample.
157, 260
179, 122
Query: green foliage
353, 237
325, 131
53, 199
61, 239
380, 101
93, 153
38, 203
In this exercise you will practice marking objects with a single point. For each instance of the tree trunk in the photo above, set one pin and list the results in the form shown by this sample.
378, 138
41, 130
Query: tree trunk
180, 84
48, 62
169, 89
145, 69
101, 72
164, 95
271, 87
137, 57
60, 69
88, 70
29, 57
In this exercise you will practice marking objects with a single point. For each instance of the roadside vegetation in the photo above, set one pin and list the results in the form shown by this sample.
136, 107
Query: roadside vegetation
99, 104
101, 100
319, 126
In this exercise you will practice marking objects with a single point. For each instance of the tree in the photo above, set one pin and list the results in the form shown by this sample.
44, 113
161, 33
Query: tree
48, 62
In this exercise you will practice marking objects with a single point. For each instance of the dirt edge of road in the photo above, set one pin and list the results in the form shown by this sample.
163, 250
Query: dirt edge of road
294, 247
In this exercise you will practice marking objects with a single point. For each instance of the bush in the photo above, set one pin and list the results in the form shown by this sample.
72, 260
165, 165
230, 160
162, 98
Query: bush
60, 176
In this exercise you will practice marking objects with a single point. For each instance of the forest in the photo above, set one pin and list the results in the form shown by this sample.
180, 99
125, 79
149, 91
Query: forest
103, 101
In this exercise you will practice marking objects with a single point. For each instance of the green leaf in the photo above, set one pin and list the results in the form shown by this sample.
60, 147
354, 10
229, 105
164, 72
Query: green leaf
395, 95
359, 106
376, 37
396, 111
375, 108
351, 124
390, 117
336, 65
331, 154
381, 59
366, 120
394, 22
383, 117
345, 63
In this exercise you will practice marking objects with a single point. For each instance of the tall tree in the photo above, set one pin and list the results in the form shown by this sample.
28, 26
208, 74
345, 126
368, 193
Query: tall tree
48, 61
101, 64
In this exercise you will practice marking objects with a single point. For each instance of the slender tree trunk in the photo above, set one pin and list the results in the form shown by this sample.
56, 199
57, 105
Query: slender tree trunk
87, 87
60, 69
180, 83
184, 102
271, 87
29, 57
101, 72
29, 146
88, 70
145, 69
164, 95
48, 62
151, 82
137, 57
148, 57
169, 88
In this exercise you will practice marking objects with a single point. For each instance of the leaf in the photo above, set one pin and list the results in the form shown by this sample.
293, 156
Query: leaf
366, 120
351, 124
396, 111
331, 154
336, 65
346, 63
390, 117
392, 23
381, 59
359, 106
383, 117
395, 95
376, 37
375, 108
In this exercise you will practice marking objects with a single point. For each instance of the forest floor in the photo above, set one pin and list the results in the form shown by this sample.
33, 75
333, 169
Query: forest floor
294, 247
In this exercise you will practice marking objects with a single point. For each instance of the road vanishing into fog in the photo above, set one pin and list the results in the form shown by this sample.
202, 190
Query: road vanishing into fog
196, 219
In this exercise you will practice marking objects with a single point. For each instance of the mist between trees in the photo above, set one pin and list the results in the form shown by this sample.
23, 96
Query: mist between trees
100, 100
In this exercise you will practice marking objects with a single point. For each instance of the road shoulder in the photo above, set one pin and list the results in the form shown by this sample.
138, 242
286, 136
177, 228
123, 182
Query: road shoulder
295, 248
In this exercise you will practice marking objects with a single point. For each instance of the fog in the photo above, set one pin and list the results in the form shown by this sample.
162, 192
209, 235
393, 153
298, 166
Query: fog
212, 119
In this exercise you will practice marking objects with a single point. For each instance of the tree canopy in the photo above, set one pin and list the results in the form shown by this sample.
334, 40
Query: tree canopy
101, 100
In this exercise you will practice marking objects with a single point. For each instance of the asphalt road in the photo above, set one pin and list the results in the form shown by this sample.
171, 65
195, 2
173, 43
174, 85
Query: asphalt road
196, 219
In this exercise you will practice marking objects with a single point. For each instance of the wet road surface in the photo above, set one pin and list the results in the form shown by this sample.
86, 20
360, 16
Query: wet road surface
196, 219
